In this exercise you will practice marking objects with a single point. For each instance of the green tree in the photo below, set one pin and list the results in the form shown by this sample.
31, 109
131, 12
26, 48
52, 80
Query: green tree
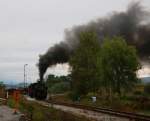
58, 84
85, 64
119, 64
60, 87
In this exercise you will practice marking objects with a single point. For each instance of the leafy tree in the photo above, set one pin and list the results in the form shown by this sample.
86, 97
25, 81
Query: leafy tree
85, 64
58, 84
119, 64
60, 87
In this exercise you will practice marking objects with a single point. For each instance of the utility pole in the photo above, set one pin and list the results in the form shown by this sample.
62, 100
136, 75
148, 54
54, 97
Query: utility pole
25, 75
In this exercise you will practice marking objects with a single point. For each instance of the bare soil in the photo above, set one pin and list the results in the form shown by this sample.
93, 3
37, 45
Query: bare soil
7, 114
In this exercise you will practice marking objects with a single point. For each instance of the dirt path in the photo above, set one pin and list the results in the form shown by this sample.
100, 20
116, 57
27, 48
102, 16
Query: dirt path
6, 114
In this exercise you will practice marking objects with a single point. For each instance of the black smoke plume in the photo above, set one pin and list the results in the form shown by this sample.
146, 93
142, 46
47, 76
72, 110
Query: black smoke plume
133, 25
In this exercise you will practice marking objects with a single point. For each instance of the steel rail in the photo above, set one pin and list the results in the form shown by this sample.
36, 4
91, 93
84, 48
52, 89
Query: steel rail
128, 115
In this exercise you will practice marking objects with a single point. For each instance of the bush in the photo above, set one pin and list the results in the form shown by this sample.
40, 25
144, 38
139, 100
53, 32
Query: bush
11, 103
147, 88
59, 88
74, 96
138, 93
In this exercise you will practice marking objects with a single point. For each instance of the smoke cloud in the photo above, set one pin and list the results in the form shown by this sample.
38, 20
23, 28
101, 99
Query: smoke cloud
133, 25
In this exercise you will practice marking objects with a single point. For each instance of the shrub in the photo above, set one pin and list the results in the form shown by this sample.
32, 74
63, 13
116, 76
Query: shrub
11, 103
59, 88
74, 96
147, 88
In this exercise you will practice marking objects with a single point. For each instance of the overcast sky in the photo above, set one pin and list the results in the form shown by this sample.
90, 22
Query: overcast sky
29, 27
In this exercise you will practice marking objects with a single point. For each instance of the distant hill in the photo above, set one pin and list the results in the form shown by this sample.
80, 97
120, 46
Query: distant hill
146, 79
9, 86
14, 86
22, 85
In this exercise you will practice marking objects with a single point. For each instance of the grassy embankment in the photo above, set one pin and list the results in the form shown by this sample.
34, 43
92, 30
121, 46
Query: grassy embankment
36, 112
130, 103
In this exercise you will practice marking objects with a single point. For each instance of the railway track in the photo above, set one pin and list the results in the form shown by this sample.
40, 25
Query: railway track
128, 115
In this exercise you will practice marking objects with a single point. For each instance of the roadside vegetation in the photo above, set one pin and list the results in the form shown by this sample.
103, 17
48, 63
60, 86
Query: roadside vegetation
36, 112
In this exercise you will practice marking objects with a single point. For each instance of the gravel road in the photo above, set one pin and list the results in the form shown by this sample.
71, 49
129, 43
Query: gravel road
6, 114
